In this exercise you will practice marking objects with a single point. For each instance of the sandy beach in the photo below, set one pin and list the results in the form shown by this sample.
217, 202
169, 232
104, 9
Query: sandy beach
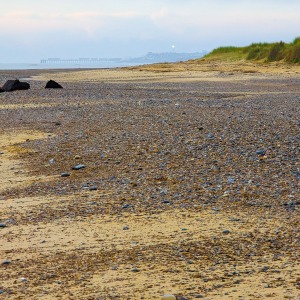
188, 183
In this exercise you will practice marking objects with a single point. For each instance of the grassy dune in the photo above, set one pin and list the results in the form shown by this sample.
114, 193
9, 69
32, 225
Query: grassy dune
264, 52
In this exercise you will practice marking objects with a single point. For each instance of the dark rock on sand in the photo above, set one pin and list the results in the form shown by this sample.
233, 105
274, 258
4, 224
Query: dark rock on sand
1, 90
51, 84
15, 85
65, 174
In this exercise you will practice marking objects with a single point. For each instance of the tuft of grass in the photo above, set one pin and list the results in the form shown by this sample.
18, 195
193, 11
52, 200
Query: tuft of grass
266, 52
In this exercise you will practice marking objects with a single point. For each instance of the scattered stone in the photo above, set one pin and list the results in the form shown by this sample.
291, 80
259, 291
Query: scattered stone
1, 152
78, 167
125, 228
66, 174
23, 279
51, 161
226, 231
199, 296
127, 206
93, 188
166, 202
6, 262
260, 152
1, 292
2, 225
51, 84
1, 90
57, 123
231, 180
15, 85
180, 298
264, 269
135, 270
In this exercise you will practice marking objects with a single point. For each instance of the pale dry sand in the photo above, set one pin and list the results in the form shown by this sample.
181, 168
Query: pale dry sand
231, 241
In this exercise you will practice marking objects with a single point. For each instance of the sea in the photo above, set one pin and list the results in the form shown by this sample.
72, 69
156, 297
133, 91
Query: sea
41, 66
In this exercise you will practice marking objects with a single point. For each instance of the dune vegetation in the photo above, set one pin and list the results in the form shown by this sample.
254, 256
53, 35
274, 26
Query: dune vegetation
264, 52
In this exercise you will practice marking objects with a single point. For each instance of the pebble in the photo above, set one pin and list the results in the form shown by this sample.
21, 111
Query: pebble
127, 206
166, 202
66, 174
1, 152
226, 231
23, 279
260, 152
93, 188
51, 161
135, 270
2, 225
264, 269
78, 167
125, 228
6, 262
1, 292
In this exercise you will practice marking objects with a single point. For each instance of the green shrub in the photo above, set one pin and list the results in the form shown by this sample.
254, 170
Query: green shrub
276, 52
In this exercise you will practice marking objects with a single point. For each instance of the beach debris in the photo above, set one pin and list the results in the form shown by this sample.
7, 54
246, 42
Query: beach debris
51, 84
15, 85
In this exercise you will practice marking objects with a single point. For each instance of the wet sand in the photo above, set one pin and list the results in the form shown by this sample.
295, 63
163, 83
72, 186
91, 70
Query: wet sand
190, 185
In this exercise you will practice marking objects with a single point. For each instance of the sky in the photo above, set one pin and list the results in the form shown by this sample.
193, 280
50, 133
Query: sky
35, 29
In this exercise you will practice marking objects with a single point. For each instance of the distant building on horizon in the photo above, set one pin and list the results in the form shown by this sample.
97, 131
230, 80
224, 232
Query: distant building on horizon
150, 57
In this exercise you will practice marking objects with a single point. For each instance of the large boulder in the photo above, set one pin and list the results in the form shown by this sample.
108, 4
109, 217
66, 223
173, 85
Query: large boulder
15, 85
51, 84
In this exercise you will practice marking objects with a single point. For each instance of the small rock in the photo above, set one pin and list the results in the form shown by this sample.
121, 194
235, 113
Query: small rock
199, 296
93, 188
166, 202
57, 123
125, 228
6, 262
78, 167
135, 270
127, 206
114, 268
226, 231
23, 279
264, 269
1, 292
260, 152
66, 174
2, 225
51, 161
1, 152
231, 180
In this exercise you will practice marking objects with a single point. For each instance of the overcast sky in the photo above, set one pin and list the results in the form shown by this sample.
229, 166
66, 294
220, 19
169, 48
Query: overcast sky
35, 29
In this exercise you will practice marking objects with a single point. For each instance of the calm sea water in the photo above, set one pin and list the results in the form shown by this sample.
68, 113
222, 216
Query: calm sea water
32, 66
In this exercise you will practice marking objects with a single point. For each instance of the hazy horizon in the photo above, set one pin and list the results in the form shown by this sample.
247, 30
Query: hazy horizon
32, 31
